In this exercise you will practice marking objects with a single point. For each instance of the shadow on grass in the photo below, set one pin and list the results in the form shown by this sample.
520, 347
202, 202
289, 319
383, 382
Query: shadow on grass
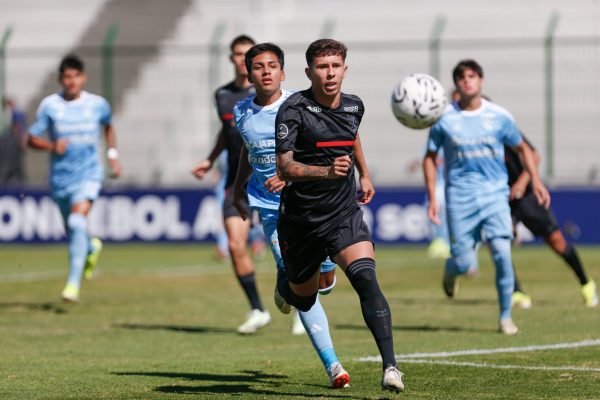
242, 382
419, 328
177, 328
49, 307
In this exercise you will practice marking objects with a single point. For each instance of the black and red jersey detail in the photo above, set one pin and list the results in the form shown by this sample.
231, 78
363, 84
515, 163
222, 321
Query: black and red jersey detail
514, 166
225, 98
317, 135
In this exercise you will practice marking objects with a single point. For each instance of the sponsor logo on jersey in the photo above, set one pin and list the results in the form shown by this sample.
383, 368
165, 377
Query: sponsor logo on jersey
282, 131
314, 109
351, 109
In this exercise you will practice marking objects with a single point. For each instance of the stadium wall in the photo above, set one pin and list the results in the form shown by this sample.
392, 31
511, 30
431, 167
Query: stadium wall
396, 216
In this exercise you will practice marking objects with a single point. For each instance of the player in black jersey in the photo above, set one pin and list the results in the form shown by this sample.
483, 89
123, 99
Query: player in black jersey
542, 223
318, 147
229, 139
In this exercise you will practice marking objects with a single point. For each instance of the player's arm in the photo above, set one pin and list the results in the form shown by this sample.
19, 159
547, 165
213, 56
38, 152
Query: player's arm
112, 154
366, 186
520, 185
540, 191
240, 197
200, 169
291, 170
430, 174
58, 146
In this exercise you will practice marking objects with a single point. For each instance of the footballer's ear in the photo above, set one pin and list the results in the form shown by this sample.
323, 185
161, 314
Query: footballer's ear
307, 72
282, 75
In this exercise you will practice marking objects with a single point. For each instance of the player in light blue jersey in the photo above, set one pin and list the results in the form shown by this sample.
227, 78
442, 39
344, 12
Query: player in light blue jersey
73, 120
255, 119
472, 133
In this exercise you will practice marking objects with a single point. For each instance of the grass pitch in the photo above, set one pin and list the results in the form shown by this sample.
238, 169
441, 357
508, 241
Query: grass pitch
158, 322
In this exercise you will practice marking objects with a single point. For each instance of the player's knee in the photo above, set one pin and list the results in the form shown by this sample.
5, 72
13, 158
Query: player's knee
76, 221
237, 247
500, 246
459, 265
304, 303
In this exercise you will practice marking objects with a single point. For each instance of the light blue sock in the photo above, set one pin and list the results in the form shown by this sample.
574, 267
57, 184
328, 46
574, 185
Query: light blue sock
316, 325
505, 278
79, 243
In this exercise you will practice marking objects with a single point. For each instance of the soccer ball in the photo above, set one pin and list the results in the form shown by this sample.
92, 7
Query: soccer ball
418, 101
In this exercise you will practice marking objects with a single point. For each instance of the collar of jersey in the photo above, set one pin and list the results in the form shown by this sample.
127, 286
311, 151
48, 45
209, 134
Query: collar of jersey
277, 103
81, 97
471, 113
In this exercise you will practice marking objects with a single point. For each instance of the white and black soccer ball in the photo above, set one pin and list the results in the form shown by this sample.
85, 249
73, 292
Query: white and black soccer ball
418, 101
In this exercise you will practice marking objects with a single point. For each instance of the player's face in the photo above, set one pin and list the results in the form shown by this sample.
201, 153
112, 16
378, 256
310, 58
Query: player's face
326, 74
237, 58
266, 73
72, 81
469, 85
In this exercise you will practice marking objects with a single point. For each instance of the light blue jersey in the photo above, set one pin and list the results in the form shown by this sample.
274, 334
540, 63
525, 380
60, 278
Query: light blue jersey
257, 127
473, 144
79, 122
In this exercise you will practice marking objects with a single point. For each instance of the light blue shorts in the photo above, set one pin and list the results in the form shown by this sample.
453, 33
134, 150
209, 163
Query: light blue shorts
467, 228
268, 219
75, 193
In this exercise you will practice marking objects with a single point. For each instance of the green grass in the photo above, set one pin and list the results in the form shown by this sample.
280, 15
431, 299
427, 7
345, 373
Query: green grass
159, 322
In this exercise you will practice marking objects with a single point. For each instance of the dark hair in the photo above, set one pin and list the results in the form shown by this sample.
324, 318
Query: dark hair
241, 39
325, 47
463, 65
263, 48
71, 61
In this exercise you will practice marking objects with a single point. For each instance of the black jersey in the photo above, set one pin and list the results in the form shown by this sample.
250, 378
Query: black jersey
225, 98
514, 166
317, 134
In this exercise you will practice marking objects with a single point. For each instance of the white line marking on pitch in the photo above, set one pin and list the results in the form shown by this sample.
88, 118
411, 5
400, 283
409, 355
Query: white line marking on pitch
498, 366
445, 354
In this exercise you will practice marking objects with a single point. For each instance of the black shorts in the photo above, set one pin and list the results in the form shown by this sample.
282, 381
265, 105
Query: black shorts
305, 246
229, 209
539, 220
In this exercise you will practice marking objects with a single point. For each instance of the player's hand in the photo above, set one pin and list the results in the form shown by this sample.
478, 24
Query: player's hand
541, 193
517, 190
201, 169
60, 146
115, 168
240, 201
367, 191
340, 167
274, 184
433, 212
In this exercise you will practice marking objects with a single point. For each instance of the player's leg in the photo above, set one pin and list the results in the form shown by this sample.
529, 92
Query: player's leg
78, 202
464, 229
327, 279
519, 298
237, 233
567, 251
498, 230
352, 249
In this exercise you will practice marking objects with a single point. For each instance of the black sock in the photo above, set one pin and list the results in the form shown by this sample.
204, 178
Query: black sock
517, 287
374, 306
248, 283
570, 256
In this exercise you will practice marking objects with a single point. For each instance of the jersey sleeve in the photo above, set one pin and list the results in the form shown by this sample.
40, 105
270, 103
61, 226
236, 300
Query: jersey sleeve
511, 135
42, 120
436, 138
105, 112
238, 116
287, 125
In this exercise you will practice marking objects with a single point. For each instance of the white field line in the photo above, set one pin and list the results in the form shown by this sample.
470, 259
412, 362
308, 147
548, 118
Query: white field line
420, 357
499, 366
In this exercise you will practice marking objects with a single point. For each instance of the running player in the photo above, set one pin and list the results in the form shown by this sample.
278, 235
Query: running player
229, 138
473, 132
73, 120
317, 147
542, 223
255, 119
